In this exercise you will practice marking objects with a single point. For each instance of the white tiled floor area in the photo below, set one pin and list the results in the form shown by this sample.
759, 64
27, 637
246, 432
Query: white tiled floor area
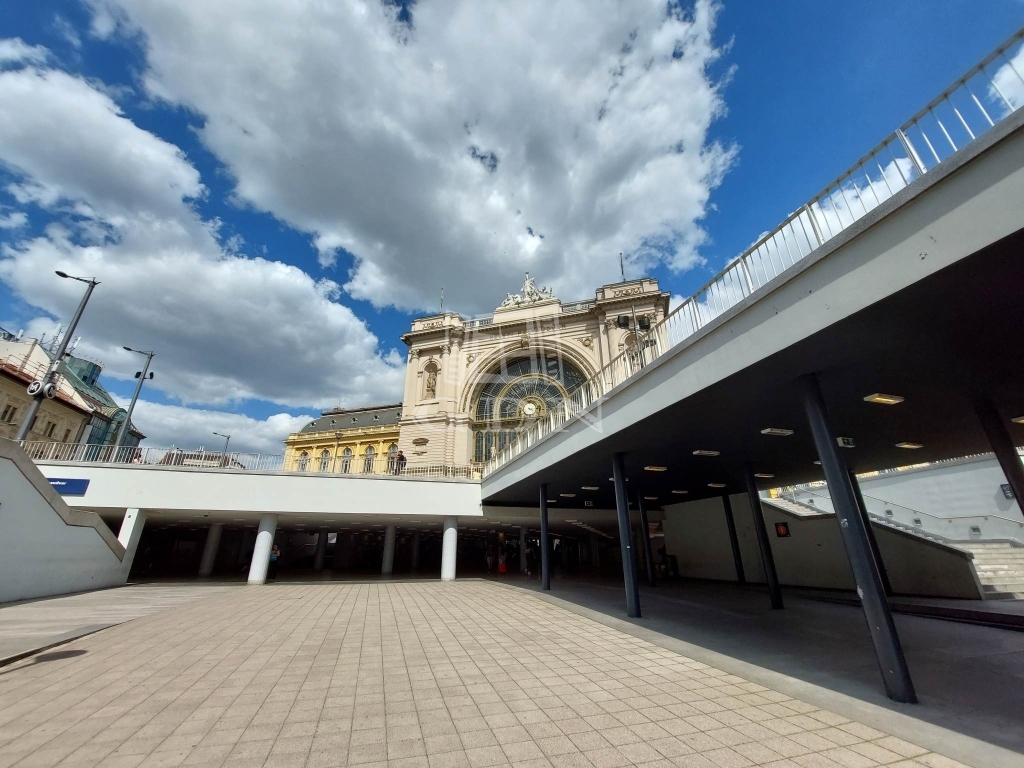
405, 675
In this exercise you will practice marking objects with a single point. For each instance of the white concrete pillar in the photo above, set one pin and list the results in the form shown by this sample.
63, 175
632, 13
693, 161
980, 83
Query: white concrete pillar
416, 550
449, 545
261, 552
388, 563
210, 549
321, 550
522, 549
129, 535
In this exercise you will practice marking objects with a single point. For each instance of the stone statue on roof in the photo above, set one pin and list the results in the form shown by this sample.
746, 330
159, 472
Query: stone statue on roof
529, 294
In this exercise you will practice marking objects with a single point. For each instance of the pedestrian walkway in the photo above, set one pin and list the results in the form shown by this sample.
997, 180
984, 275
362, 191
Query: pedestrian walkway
406, 675
33, 624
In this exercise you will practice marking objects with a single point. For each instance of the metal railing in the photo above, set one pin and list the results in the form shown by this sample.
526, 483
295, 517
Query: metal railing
984, 96
380, 466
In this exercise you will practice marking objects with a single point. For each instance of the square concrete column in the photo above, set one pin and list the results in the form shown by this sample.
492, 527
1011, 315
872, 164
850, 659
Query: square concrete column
129, 535
522, 549
388, 563
210, 549
595, 551
625, 537
734, 539
645, 534
261, 552
449, 548
321, 550
415, 550
545, 544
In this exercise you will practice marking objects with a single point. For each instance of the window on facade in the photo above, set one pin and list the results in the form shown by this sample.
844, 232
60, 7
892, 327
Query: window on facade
50, 426
67, 435
392, 455
346, 460
8, 414
303, 461
325, 460
368, 457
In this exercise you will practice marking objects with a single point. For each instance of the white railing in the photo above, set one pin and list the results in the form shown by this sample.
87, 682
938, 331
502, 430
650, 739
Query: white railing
986, 95
381, 466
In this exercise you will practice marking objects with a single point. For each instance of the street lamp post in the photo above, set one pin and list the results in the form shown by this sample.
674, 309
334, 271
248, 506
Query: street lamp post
135, 396
224, 453
51, 372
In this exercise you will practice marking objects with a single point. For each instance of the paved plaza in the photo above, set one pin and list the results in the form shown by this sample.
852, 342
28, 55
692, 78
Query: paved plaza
405, 675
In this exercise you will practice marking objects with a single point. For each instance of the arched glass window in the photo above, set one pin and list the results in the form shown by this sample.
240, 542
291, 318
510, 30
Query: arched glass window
526, 389
346, 460
303, 461
392, 454
478, 447
368, 456
325, 460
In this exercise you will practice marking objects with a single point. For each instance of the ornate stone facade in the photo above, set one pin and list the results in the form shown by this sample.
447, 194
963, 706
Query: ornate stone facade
472, 385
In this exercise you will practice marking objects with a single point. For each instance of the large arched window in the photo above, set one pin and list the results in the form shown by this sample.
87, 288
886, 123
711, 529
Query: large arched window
368, 456
346, 460
517, 393
325, 461
392, 456
303, 461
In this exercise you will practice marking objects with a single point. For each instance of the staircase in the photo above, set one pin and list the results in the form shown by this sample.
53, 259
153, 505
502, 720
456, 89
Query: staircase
1000, 567
796, 508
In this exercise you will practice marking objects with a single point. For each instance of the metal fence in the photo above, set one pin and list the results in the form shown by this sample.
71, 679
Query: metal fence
384, 466
984, 96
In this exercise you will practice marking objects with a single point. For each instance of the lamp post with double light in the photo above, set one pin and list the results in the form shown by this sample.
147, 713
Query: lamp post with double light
141, 376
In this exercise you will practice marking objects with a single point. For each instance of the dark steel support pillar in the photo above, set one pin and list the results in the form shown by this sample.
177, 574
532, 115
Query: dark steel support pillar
888, 649
734, 540
876, 553
625, 537
1002, 446
645, 532
545, 544
771, 578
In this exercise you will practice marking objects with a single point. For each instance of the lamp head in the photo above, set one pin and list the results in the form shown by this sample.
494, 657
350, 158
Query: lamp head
61, 274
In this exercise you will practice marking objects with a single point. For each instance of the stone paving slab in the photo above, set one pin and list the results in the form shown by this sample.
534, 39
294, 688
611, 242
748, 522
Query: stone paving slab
406, 675
32, 624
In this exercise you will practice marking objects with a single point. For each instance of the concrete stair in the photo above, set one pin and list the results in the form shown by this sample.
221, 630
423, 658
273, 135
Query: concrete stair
1000, 567
796, 508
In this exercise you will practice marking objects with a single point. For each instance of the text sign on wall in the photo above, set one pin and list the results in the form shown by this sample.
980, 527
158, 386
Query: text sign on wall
69, 486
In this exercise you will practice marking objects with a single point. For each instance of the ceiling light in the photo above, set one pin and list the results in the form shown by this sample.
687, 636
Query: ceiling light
878, 397
778, 431
591, 488
567, 495
651, 498
655, 469
817, 462
572, 521
552, 501
716, 485
763, 475
909, 445
705, 453
680, 492
1018, 419
612, 479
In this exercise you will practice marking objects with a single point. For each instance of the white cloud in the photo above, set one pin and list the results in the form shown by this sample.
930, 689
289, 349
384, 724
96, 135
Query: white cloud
1008, 81
14, 50
225, 327
171, 425
428, 151
15, 220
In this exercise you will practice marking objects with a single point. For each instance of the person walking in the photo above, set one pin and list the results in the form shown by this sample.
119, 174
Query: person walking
275, 554
531, 559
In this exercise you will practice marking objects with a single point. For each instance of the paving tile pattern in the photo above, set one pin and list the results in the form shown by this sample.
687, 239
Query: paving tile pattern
405, 675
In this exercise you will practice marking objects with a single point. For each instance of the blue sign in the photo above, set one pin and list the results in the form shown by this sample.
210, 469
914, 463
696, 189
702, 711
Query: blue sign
69, 486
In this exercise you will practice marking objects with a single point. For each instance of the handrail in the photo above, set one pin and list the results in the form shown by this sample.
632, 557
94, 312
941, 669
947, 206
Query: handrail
872, 180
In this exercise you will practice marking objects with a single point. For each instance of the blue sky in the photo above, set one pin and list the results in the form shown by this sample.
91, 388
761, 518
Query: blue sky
270, 195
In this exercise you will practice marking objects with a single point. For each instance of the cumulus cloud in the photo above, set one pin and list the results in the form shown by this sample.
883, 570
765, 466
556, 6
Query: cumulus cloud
429, 150
171, 425
14, 50
225, 327
15, 220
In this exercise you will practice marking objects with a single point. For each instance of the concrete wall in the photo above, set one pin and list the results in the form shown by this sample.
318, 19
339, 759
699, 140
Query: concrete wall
213, 489
813, 555
48, 548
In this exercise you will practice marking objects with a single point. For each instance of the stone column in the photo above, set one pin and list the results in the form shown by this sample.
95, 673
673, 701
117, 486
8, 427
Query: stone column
415, 550
625, 537
388, 562
321, 550
210, 549
261, 552
129, 535
449, 545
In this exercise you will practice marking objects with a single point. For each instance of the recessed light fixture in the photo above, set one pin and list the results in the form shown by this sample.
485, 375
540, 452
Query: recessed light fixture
552, 501
1018, 419
764, 475
705, 453
716, 485
911, 446
651, 498
883, 399
591, 488
680, 492
817, 462
612, 479
572, 521
655, 469
778, 431
567, 495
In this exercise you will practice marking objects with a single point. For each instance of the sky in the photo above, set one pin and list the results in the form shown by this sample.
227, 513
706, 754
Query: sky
269, 192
